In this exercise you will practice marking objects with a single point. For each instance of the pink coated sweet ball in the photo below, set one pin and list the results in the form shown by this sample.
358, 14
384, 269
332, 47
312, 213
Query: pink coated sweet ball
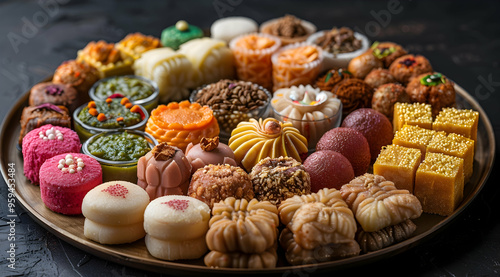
46, 142
63, 186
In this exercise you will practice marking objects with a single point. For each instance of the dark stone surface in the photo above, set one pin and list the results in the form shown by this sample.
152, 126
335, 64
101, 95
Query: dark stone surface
460, 38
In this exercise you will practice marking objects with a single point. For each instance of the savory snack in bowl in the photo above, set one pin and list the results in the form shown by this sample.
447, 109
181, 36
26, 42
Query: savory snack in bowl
113, 114
118, 152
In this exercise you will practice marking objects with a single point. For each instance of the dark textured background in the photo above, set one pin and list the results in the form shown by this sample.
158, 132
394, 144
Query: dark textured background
460, 38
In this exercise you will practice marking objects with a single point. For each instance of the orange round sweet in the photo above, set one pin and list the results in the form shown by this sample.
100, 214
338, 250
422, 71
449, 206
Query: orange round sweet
350, 143
179, 124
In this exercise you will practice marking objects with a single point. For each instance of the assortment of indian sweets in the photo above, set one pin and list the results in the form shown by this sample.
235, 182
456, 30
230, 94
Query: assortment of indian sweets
257, 141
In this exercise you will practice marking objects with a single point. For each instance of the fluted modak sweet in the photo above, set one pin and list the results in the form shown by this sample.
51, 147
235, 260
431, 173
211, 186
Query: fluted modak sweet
164, 171
255, 140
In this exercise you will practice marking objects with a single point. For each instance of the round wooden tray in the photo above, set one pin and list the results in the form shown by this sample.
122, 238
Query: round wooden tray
70, 228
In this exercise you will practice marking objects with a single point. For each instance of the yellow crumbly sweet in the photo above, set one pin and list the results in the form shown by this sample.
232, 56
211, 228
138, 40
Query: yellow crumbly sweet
457, 146
106, 58
399, 165
439, 183
452, 120
133, 45
418, 114
414, 137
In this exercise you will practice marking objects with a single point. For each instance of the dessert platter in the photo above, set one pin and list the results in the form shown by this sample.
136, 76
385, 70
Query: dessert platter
264, 148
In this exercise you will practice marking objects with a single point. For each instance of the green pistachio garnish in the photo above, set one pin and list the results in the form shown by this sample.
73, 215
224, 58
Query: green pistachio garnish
433, 79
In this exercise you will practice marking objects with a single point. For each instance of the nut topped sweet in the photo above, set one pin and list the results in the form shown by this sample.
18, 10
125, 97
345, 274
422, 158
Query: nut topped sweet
386, 96
214, 183
254, 140
276, 179
209, 151
432, 88
387, 52
164, 171
180, 33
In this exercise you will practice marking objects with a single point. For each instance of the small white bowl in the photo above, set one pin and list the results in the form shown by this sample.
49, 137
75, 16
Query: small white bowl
342, 60
310, 29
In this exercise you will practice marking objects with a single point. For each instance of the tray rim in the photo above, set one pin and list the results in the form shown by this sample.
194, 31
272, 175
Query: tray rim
181, 268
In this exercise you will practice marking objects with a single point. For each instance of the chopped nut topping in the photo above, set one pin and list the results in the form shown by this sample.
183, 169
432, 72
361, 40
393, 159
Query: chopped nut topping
209, 144
163, 152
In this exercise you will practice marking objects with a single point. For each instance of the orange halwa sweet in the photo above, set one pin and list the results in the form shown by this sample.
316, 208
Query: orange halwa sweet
179, 124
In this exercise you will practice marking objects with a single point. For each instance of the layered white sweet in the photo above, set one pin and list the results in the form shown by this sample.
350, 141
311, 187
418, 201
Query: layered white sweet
176, 226
230, 27
172, 71
176, 217
212, 60
113, 234
310, 110
114, 212
176, 250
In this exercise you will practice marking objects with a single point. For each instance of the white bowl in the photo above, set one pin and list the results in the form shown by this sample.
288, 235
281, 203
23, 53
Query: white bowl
342, 60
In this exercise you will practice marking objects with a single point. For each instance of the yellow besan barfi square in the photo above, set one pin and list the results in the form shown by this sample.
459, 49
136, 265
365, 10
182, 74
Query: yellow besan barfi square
439, 183
463, 122
418, 114
454, 145
414, 137
398, 164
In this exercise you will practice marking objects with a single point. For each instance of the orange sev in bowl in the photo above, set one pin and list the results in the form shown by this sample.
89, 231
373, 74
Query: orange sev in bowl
296, 64
252, 54
179, 124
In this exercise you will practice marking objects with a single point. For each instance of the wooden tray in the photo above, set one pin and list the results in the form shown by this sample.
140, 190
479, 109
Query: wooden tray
70, 228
